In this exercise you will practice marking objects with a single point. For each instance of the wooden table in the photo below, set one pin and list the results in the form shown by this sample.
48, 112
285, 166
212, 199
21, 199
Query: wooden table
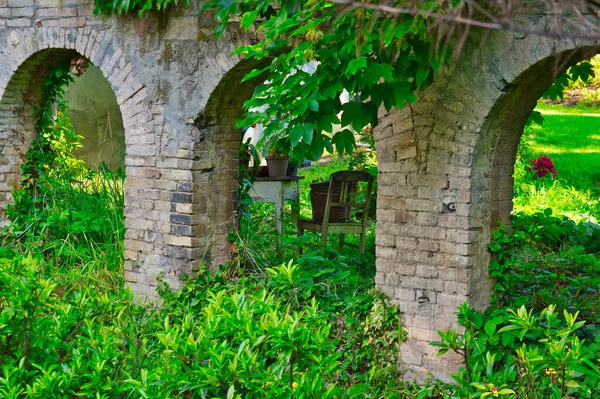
278, 190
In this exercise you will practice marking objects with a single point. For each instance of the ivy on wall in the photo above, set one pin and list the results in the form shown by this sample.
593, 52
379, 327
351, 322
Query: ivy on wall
55, 135
314, 50
125, 6
51, 150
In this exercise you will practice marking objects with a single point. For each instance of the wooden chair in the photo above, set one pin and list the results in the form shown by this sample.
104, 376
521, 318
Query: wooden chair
344, 188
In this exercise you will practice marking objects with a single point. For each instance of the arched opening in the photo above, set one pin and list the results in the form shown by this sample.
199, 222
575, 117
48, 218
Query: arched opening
507, 119
495, 155
218, 136
58, 205
217, 130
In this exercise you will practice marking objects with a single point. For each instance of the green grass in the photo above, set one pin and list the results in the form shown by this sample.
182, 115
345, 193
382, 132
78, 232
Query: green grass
570, 136
578, 109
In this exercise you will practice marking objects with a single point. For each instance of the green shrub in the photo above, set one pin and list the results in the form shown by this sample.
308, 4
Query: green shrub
63, 209
253, 337
517, 354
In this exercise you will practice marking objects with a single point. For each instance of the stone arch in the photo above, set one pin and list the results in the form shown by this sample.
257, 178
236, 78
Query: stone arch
456, 146
24, 55
218, 134
21, 94
496, 149
507, 119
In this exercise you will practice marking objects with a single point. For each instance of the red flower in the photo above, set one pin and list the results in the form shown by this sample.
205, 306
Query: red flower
543, 165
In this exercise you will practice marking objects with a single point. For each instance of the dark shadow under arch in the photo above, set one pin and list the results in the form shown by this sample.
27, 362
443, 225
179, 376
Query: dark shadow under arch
217, 132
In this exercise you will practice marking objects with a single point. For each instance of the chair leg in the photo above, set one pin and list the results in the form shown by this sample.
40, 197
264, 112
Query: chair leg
323, 239
342, 242
300, 234
361, 246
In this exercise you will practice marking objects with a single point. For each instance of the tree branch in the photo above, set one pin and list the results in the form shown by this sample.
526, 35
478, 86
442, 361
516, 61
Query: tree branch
458, 19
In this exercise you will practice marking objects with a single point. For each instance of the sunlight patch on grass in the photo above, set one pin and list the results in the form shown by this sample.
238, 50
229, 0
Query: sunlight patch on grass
574, 147
565, 109
562, 113
561, 150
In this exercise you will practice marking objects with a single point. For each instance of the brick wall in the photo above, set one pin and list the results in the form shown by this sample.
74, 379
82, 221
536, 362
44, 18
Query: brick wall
445, 162
446, 167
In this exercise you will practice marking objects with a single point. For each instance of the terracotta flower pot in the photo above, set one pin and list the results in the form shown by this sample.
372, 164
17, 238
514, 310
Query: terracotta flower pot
277, 164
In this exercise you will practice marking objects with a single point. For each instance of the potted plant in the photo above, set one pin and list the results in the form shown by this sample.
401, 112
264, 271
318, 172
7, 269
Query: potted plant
249, 152
278, 158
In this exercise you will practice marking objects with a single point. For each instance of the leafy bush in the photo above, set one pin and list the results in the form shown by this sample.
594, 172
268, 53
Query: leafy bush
517, 354
548, 261
287, 334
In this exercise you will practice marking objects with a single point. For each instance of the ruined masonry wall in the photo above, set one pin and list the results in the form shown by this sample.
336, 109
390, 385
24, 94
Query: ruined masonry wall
445, 162
163, 69
446, 166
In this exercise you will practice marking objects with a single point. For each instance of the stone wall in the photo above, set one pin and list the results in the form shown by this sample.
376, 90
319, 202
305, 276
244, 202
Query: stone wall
181, 183
445, 163
446, 166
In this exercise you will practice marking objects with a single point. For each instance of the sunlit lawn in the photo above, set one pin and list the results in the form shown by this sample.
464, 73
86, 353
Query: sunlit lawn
570, 136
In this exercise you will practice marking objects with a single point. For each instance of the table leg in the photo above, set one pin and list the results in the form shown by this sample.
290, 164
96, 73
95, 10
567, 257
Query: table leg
279, 219
296, 208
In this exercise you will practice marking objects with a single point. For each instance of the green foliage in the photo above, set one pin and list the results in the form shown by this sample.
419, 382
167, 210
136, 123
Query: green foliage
68, 212
570, 137
108, 7
593, 80
252, 337
548, 260
581, 72
313, 52
51, 149
71, 346
518, 354
578, 75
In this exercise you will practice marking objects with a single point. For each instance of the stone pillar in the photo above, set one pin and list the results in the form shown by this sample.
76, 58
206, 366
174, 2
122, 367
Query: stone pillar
446, 168
422, 231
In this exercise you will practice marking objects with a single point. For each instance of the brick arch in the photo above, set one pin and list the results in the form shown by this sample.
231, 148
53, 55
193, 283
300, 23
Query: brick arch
456, 145
506, 121
21, 95
27, 53
218, 134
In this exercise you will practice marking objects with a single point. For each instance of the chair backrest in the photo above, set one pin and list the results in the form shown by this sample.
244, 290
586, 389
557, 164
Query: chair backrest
346, 194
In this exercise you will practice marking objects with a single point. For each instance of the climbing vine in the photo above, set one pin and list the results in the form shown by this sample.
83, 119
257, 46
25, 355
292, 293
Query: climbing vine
125, 6
51, 149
